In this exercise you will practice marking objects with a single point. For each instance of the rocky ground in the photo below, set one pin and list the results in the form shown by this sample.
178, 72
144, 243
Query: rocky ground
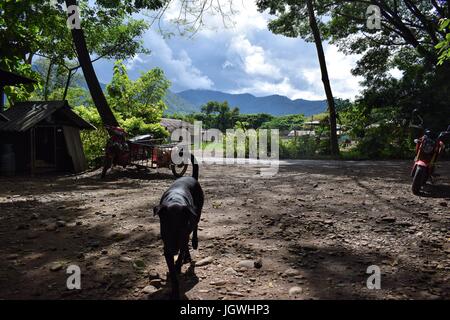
310, 232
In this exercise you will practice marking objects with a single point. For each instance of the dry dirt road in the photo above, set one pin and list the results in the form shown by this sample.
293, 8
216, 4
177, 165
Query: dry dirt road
315, 227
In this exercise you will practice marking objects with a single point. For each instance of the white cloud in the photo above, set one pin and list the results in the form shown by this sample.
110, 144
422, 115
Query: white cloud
227, 65
343, 83
178, 67
284, 88
245, 58
254, 58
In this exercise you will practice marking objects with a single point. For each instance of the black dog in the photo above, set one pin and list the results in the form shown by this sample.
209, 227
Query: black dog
179, 212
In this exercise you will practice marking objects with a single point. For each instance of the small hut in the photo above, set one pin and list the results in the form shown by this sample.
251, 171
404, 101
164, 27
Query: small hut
45, 136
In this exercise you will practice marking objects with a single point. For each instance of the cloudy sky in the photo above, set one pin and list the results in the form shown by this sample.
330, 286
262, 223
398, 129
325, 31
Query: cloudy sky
243, 57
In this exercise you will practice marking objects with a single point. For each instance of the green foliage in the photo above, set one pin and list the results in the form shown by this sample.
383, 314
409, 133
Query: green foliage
178, 106
21, 92
137, 106
142, 98
241, 121
218, 115
254, 121
285, 123
443, 47
381, 133
410, 33
385, 141
298, 148
94, 143
39, 27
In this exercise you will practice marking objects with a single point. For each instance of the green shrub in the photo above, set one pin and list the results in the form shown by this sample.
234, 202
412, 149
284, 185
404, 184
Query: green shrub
137, 105
94, 143
385, 142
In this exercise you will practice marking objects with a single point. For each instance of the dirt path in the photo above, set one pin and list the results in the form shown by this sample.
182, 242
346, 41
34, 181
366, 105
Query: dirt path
315, 227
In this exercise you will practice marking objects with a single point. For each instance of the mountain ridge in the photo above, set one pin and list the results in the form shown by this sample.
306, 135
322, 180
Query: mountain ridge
276, 105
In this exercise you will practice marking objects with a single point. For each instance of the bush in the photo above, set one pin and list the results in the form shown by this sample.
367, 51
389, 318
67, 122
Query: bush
94, 143
299, 148
385, 142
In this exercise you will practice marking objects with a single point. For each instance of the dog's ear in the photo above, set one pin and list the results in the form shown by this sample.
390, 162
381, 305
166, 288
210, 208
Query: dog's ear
192, 215
158, 210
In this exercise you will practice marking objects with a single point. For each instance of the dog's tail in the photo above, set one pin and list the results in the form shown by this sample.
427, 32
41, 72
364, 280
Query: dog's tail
195, 167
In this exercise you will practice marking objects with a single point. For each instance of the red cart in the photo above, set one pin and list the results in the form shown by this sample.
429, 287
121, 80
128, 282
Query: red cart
143, 152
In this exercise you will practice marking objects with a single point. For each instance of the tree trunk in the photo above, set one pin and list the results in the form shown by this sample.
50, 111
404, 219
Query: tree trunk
325, 78
95, 89
47, 80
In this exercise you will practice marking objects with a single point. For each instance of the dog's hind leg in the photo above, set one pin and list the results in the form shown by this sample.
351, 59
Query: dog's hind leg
187, 255
179, 262
195, 239
173, 276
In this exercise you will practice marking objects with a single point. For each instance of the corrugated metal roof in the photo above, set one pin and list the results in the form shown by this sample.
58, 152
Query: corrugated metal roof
24, 115
11, 79
172, 124
3, 117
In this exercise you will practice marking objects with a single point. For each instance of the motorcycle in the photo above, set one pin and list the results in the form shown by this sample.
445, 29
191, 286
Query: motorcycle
428, 149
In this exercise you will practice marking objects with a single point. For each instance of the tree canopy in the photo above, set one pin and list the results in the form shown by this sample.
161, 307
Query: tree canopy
406, 41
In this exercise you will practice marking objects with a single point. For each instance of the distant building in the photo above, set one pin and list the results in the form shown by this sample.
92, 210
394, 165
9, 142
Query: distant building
301, 133
172, 125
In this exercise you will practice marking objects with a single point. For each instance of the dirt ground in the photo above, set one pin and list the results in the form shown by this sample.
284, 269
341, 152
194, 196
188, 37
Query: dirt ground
315, 227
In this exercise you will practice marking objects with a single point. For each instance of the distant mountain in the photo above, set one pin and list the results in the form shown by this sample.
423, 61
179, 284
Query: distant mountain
248, 104
176, 104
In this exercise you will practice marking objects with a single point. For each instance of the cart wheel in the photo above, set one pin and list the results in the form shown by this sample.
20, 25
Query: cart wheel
179, 170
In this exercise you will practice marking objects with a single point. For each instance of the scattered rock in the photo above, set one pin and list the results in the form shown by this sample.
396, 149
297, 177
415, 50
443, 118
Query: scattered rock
389, 219
443, 204
218, 283
216, 205
294, 291
290, 273
204, 262
203, 291
230, 271
258, 264
152, 275
60, 223
56, 266
125, 259
235, 294
149, 290
51, 227
157, 283
248, 264
139, 264
13, 256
